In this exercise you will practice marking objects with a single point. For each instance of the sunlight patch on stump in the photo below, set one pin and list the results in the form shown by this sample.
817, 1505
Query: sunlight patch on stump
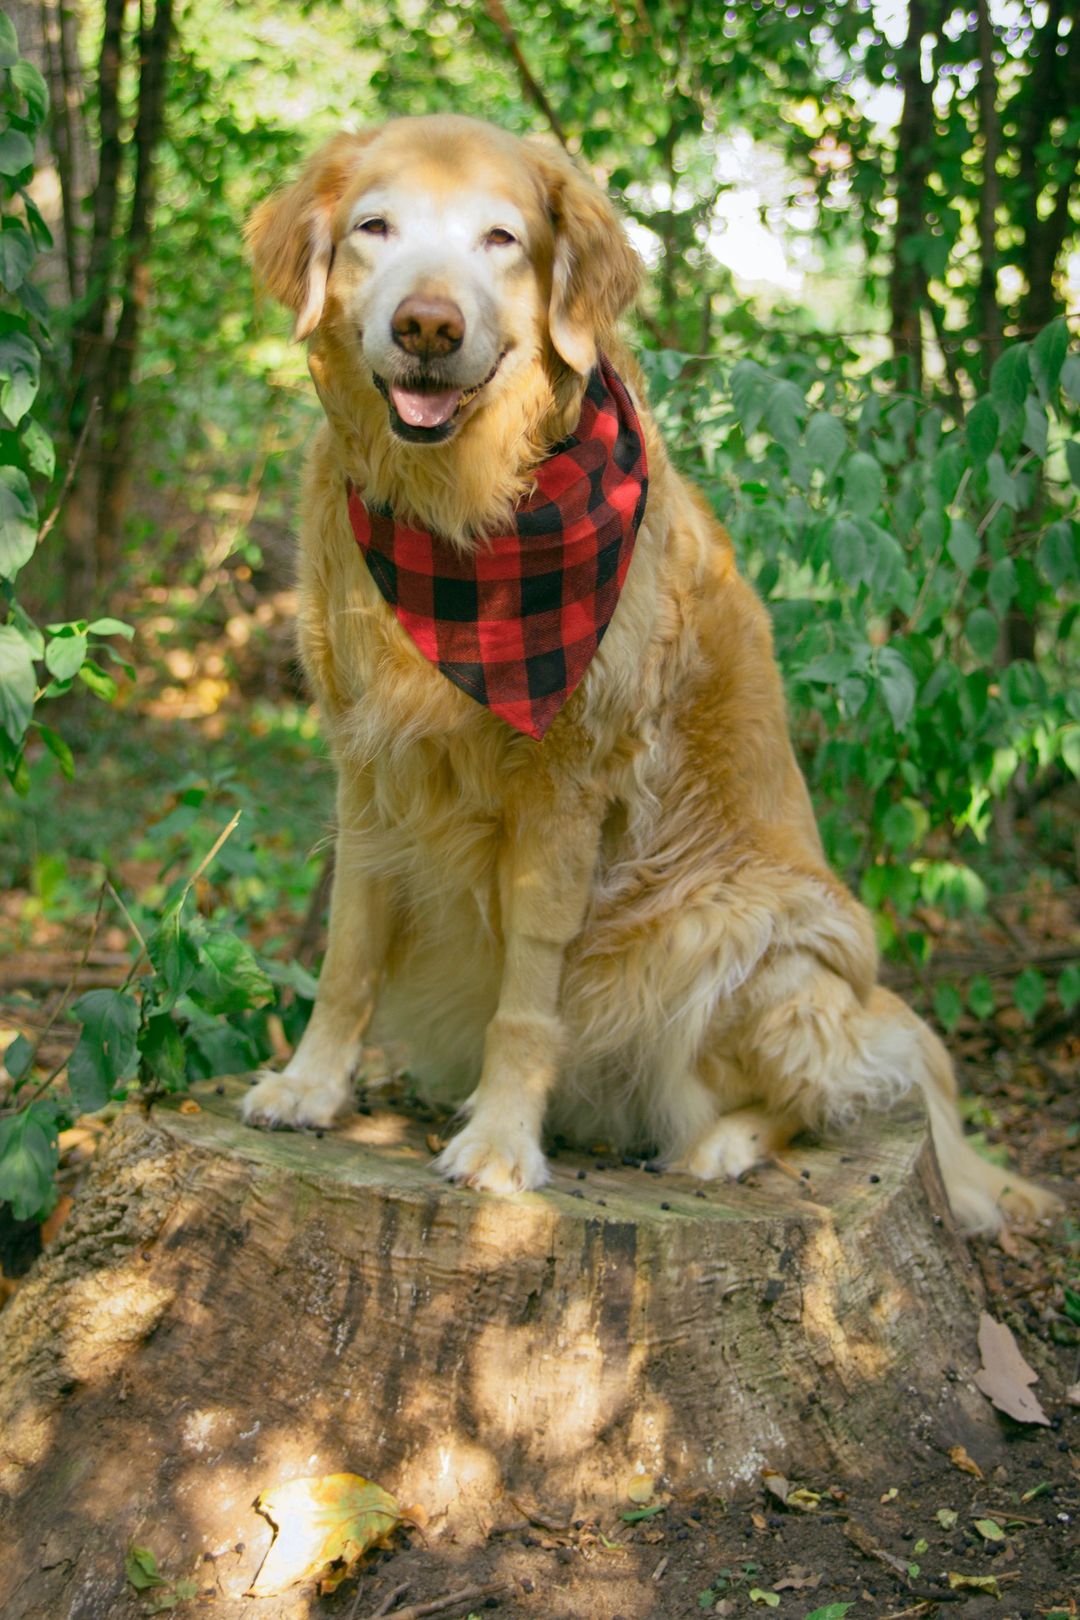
228, 1309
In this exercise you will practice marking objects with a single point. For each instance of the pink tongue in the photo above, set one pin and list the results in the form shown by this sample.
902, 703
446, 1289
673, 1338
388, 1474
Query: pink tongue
425, 410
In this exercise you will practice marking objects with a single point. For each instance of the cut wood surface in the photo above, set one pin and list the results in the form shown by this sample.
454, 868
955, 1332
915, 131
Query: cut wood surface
227, 1309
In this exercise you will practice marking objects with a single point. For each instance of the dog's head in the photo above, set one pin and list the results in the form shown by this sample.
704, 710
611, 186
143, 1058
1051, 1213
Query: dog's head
445, 258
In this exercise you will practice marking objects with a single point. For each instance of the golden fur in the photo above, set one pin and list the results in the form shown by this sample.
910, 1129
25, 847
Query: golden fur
629, 931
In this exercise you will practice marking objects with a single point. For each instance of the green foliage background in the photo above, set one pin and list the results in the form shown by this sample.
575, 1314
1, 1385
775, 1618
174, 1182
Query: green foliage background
901, 520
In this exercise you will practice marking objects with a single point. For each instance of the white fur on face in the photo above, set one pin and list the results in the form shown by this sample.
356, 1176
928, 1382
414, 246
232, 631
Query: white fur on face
436, 247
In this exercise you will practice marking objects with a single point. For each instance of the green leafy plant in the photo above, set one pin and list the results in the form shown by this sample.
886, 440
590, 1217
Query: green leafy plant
35, 664
893, 544
195, 1003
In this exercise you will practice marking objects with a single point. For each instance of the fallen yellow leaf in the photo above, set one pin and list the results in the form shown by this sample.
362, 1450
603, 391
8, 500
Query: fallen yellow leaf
323, 1528
640, 1489
960, 1459
977, 1583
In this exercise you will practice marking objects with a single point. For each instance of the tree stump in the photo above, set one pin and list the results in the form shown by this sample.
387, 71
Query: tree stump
227, 1309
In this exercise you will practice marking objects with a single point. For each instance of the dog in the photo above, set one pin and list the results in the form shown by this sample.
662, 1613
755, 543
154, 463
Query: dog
577, 870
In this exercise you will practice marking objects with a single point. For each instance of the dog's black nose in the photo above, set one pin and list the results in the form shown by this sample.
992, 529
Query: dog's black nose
428, 327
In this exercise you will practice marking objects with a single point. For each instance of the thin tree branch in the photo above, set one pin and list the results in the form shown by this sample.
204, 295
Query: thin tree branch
531, 85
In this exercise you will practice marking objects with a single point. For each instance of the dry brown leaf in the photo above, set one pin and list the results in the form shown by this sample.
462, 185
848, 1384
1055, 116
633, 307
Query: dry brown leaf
640, 1490
190, 1106
323, 1528
776, 1483
1004, 1375
797, 1580
960, 1459
1072, 1394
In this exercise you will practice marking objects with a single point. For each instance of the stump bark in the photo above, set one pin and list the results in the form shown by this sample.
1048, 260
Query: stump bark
227, 1309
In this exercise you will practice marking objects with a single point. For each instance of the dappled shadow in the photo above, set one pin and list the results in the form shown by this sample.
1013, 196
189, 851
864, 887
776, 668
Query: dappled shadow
228, 1309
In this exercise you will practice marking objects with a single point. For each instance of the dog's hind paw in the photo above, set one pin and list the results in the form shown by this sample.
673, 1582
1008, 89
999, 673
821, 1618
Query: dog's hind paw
734, 1145
287, 1102
493, 1160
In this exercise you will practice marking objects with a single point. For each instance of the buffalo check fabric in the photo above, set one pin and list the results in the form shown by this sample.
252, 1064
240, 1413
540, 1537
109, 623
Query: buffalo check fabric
516, 622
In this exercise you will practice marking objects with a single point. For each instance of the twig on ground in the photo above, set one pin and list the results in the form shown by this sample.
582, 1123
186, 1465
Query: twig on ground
535, 1519
453, 1600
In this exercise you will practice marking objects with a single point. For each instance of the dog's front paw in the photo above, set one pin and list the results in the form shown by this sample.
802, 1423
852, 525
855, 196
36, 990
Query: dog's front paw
727, 1151
496, 1159
284, 1101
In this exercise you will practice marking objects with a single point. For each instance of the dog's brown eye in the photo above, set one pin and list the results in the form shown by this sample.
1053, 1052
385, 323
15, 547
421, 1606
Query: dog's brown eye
500, 237
372, 227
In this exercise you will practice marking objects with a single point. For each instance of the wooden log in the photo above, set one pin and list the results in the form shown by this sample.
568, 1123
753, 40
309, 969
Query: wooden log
228, 1308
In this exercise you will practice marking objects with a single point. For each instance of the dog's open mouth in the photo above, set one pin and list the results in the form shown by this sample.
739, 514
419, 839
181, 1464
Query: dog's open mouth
423, 410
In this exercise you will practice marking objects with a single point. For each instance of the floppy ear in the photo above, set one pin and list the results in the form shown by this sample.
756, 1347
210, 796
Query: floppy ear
595, 273
290, 237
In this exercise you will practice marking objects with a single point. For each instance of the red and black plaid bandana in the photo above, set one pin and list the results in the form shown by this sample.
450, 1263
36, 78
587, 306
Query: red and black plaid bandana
516, 622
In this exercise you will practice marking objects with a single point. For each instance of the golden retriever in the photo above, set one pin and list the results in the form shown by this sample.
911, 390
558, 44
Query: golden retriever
626, 931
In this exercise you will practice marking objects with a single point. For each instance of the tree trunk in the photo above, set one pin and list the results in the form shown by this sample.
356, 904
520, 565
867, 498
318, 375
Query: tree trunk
1053, 98
907, 284
88, 364
155, 39
227, 1309
990, 130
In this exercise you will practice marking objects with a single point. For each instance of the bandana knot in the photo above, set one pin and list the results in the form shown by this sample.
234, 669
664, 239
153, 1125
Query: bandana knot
516, 622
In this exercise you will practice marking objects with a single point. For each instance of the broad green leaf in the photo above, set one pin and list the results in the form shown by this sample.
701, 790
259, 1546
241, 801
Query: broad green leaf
16, 152
98, 680
1048, 354
17, 685
863, 484
161, 1049
1036, 427
785, 408
59, 749
110, 627
948, 1006
174, 955
1010, 380
26, 78
105, 1050
40, 450
64, 656
981, 429
825, 442
897, 685
323, 1528
848, 551
229, 979
982, 632
17, 1057
1003, 486
831, 1611
1058, 556
989, 1529
141, 1569
18, 521
1029, 993
980, 997
769, 1600
9, 42
1070, 377
899, 828
28, 1159
1072, 457
16, 257
963, 545
750, 387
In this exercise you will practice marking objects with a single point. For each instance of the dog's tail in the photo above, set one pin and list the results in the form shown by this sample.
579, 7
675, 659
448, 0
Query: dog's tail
982, 1195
